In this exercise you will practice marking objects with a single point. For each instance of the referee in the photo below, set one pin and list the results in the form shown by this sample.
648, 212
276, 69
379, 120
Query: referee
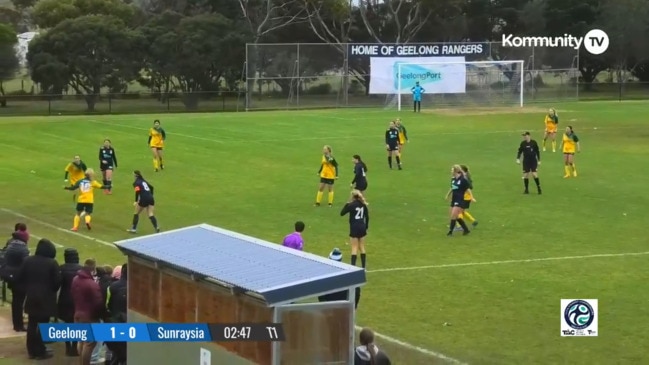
531, 160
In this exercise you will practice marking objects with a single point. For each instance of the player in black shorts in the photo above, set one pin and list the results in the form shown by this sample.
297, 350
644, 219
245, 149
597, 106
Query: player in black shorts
531, 153
360, 174
392, 144
459, 186
359, 220
107, 162
143, 201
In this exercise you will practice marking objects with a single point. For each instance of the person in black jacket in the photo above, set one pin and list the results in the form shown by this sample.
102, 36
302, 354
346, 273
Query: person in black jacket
15, 253
336, 255
41, 278
117, 310
368, 353
65, 304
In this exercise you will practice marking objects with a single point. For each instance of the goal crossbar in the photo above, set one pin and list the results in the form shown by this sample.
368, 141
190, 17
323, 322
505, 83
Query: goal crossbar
520, 71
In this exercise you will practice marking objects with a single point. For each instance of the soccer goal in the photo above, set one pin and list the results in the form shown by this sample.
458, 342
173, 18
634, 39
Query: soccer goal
448, 84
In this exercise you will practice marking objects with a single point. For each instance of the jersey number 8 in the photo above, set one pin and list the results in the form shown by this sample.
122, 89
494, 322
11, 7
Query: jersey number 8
145, 186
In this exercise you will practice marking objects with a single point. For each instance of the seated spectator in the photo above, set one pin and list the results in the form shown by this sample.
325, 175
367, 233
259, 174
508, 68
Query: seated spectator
336, 255
294, 240
368, 353
65, 304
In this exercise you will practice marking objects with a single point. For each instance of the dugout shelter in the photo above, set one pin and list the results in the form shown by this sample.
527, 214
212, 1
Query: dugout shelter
205, 274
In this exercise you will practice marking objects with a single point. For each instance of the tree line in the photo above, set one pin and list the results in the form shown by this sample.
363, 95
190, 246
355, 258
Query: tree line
193, 46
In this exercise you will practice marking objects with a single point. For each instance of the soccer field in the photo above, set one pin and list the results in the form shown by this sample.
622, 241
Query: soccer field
492, 297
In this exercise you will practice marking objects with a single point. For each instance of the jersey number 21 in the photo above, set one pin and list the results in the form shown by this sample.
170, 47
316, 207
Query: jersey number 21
360, 212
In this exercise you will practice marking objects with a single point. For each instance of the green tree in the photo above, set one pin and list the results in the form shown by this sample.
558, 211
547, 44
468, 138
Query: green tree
49, 13
192, 54
86, 53
9, 63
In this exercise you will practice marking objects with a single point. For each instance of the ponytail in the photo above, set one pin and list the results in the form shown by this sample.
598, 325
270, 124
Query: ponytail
360, 160
356, 194
371, 348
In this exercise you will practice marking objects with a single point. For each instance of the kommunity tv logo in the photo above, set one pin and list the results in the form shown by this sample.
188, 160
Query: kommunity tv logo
411, 74
595, 42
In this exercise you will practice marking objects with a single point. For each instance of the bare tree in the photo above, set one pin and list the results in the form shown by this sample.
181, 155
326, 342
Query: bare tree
330, 21
405, 18
266, 16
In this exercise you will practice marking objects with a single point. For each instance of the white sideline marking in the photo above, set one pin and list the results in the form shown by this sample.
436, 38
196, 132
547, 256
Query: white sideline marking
484, 263
146, 129
105, 243
421, 350
365, 136
379, 335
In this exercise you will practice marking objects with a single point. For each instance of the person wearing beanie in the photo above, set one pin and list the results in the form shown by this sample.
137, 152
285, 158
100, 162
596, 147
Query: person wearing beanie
65, 304
41, 278
337, 255
15, 253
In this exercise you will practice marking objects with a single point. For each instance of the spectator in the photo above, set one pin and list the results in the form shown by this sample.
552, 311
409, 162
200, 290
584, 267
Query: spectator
40, 277
117, 309
117, 306
117, 273
15, 253
104, 279
88, 304
336, 255
65, 305
367, 353
294, 240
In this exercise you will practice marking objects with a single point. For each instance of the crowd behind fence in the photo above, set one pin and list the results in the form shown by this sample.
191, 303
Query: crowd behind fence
300, 76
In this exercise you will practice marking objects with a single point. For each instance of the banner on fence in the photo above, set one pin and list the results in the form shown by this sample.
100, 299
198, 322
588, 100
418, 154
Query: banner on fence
437, 75
417, 50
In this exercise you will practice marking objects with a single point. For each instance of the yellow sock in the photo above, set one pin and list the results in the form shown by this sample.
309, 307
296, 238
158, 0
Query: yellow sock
330, 197
543, 145
554, 145
468, 216
318, 197
567, 169
77, 220
574, 169
460, 216
87, 218
155, 163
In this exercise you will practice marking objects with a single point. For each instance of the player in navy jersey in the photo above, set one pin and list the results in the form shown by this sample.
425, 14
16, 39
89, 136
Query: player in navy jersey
392, 144
460, 185
359, 222
107, 163
143, 201
360, 174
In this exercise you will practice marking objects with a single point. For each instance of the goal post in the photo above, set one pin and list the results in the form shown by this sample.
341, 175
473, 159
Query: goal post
461, 83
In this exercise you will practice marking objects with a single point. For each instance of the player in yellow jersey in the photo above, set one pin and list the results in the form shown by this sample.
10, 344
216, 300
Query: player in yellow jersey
403, 135
570, 145
328, 174
467, 199
551, 123
75, 171
157, 137
86, 187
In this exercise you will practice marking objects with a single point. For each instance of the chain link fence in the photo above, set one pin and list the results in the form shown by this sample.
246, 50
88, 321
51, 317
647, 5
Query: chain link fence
302, 76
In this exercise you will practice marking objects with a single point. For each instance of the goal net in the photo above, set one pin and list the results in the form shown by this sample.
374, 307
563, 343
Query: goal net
450, 84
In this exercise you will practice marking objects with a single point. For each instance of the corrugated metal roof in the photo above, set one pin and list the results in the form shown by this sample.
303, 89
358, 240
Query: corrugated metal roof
276, 273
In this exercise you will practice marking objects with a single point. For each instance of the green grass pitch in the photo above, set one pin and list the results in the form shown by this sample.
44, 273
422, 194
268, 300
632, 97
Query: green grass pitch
488, 298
